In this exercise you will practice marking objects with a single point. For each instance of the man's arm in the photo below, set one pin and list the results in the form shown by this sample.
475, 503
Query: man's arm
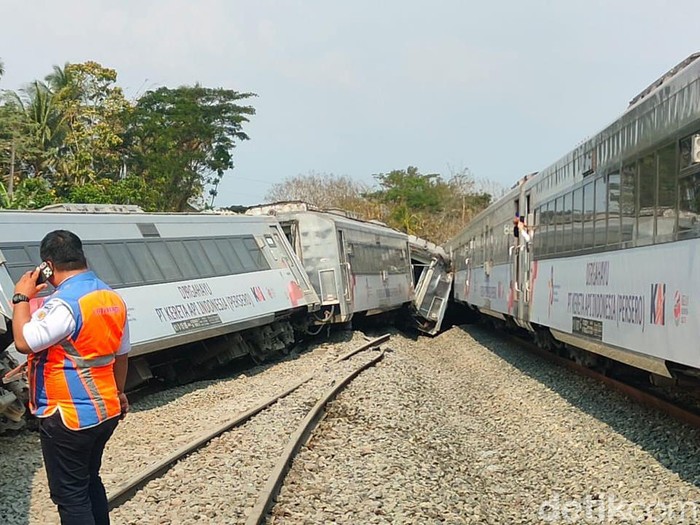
21, 313
121, 367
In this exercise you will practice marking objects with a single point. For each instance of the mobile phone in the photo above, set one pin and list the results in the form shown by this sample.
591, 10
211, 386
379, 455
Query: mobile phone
45, 272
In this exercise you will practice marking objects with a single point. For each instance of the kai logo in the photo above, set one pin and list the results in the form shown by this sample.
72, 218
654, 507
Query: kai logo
258, 294
658, 304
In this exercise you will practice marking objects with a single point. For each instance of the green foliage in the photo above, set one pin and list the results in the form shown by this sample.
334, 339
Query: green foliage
75, 138
181, 141
424, 205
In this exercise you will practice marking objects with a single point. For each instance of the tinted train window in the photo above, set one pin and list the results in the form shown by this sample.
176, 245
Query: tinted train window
256, 253
588, 212
124, 263
689, 213
200, 259
666, 203
229, 253
183, 260
165, 260
247, 260
566, 218
628, 203
214, 255
19, 261
145, 262
601, 212
577, 237
647, 192
559, 214
100, 263
613, 208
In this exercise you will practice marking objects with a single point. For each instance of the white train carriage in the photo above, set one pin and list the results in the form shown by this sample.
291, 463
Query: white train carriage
432, 271
185, 278
615, 224
356, 267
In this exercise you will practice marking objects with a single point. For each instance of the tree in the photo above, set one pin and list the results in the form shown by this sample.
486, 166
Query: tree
426, 205
93, 109
324, 190
181, 141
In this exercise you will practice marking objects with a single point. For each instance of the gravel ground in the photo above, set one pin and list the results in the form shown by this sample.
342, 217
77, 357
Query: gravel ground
156, 426
461, 428
466, 428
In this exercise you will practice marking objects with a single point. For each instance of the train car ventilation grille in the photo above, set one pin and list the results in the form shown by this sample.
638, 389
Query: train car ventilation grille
148, 229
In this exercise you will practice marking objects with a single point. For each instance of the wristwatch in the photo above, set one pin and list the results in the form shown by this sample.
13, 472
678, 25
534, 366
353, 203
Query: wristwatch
19, 298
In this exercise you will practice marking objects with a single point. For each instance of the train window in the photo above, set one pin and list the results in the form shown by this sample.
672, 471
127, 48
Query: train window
686, 157
165, 260
559, 220
183, 259
124, 263
613, 237
214, 255
256, 253
647, 194
19, 261
601, 211
588, 215
200, 259
566, 219
628, 204
248, 262
577, 220
689, 212
548, 228
101, 264
229, 253
145, 261
667, 194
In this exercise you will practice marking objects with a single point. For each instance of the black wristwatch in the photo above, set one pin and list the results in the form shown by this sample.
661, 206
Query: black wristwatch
19, 298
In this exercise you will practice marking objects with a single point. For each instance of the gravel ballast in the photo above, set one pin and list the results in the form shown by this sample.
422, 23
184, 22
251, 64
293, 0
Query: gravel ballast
461, 428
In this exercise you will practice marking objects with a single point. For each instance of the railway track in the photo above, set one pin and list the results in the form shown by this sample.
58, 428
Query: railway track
305, 392
642, 396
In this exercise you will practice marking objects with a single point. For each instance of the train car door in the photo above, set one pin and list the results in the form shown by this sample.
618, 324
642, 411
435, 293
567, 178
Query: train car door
432, 295
523, 258
346, 300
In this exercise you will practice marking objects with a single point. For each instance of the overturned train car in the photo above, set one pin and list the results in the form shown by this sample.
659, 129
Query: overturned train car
201, 289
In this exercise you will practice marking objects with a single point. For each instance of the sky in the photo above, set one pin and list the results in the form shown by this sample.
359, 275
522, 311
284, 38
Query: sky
362, 87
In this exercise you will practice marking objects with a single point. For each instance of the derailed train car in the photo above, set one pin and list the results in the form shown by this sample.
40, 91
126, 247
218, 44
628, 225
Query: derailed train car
206, 288
356, 267
604, 265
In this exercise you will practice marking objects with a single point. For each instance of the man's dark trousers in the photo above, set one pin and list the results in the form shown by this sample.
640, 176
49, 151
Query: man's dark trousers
73, 459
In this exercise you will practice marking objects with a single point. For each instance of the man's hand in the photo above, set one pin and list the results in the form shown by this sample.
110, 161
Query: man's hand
27, 284
124, 402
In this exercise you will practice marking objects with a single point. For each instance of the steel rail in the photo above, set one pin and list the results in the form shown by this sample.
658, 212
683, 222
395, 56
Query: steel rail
301, 435
124, 491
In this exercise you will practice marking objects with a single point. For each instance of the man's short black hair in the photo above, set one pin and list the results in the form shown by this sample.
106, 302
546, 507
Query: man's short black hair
64, 249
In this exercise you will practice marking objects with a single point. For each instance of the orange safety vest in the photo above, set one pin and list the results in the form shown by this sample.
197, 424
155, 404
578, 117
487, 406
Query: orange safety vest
76, 376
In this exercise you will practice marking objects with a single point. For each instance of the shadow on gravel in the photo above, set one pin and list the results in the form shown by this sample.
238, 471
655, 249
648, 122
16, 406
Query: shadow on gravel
672, 444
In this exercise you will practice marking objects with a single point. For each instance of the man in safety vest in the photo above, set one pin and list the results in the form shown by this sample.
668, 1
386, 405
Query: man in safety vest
76, 346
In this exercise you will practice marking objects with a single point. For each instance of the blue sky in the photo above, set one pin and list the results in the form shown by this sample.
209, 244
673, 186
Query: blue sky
358, 88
